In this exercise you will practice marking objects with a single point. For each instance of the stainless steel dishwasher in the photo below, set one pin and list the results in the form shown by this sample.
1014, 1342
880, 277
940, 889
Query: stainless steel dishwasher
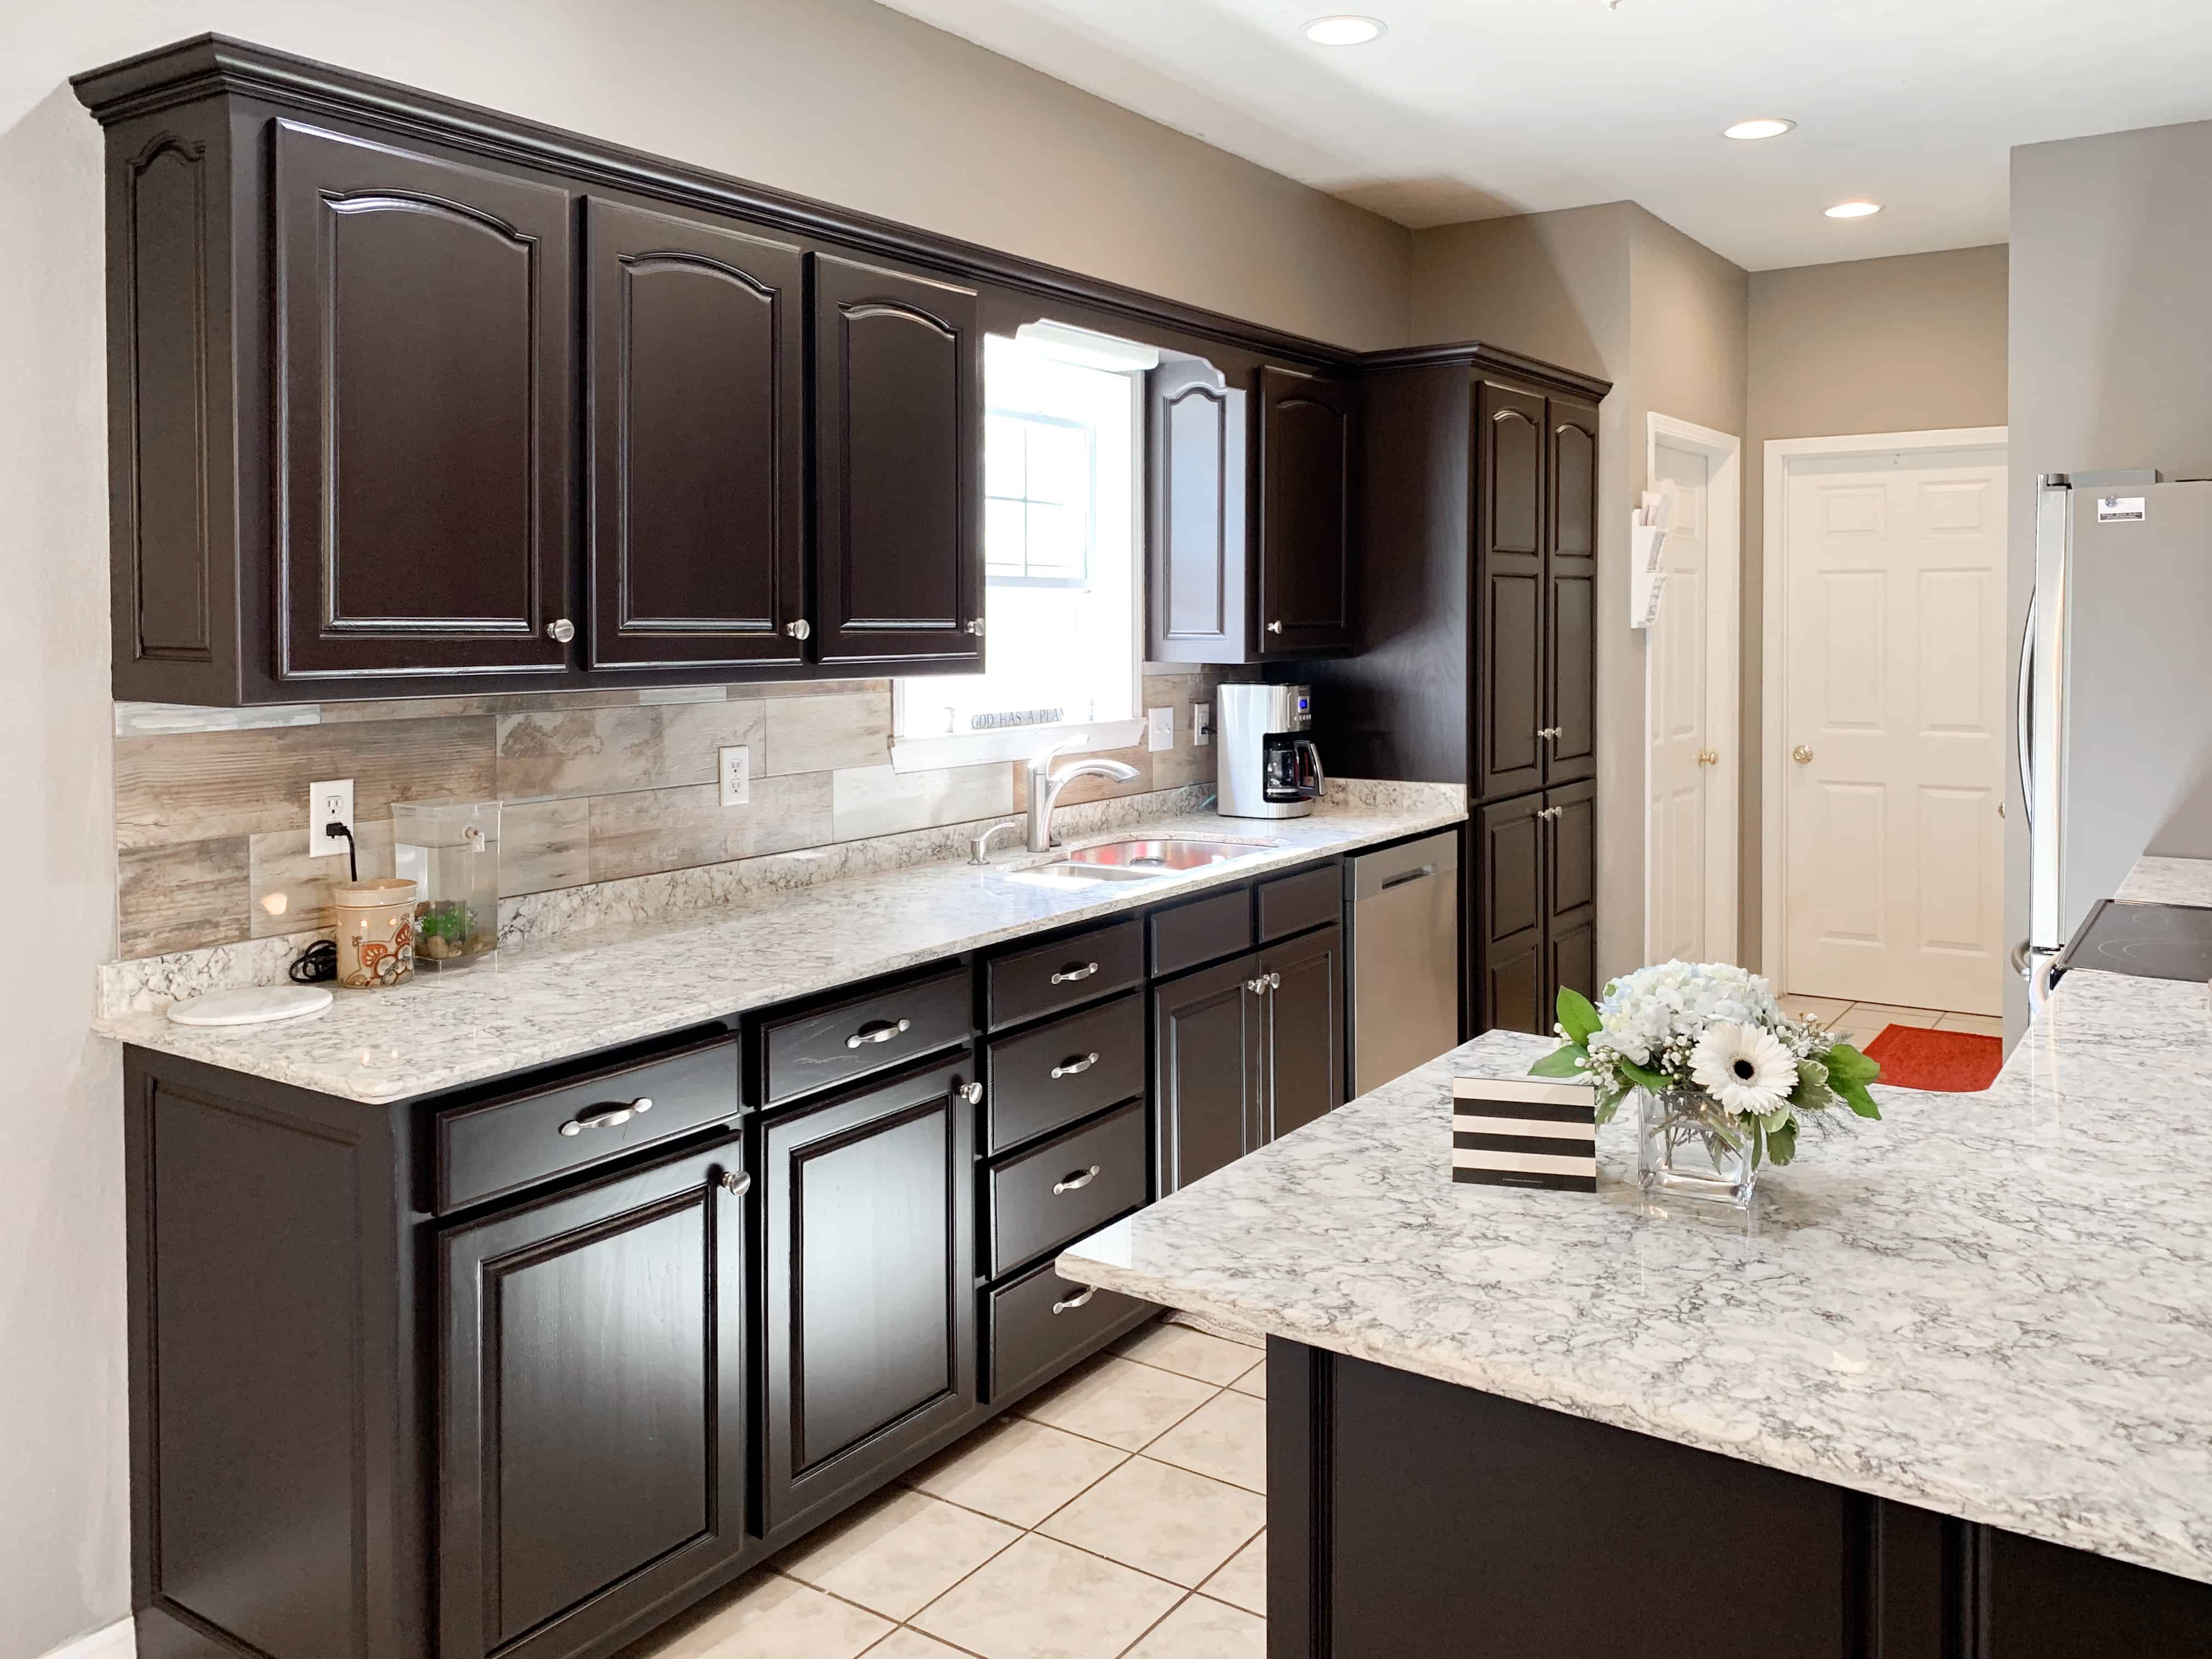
1401, 907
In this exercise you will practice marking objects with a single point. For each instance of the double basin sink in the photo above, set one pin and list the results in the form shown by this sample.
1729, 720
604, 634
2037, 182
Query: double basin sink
1137, 861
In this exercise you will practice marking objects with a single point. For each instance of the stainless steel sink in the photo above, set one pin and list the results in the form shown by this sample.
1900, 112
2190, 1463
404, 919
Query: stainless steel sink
1136, 860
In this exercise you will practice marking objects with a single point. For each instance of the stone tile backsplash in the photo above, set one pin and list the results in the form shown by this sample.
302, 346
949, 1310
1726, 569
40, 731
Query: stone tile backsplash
600, 787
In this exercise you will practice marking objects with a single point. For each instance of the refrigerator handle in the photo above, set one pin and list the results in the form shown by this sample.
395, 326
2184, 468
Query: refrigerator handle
2024, 714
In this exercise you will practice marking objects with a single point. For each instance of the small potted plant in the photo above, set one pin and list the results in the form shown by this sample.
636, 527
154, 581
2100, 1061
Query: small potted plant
1723, 1079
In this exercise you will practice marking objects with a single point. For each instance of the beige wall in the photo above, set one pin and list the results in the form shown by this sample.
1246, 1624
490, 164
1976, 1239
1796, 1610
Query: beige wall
838, 98
1913, 343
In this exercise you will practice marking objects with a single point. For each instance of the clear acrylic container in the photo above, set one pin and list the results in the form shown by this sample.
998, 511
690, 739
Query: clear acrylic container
450, 848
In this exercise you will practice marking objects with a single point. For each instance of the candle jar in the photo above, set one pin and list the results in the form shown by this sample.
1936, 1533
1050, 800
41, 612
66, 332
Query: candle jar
376, 932
450, 848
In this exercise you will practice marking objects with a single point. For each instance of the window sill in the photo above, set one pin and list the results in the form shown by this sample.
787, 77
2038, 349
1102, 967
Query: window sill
1017, 742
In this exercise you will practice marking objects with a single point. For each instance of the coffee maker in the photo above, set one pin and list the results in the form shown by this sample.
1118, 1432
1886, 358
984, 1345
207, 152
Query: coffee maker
1269, 767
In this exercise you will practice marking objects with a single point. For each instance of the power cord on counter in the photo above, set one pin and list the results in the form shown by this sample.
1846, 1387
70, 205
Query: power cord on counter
320, 961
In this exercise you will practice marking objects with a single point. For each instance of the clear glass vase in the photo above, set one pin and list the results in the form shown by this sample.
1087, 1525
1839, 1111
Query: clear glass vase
1687, 1147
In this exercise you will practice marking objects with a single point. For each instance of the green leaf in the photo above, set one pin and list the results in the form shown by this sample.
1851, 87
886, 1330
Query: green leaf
1576, 1017
1756, 1140
1847, 1065
1782, 1144
1567, 1063
1812, 1093
1856, 1097
1607, 1105
1642, 1076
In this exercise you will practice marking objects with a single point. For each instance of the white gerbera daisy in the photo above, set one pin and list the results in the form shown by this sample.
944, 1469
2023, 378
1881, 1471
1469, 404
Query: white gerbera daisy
1744, 1068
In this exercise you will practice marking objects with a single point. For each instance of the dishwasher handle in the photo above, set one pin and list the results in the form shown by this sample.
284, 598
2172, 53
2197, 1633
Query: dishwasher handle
1405, 876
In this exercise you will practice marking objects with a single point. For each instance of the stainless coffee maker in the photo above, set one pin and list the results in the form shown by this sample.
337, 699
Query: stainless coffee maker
1269, 767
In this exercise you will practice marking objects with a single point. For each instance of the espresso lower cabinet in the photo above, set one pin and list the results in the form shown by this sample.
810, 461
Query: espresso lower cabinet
594, 1343
1533, 905
1303, 1042
869, 1208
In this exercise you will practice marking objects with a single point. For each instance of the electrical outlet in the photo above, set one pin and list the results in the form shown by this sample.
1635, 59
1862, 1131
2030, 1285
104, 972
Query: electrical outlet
1163, 731
1201, 725
736, 772
327, 804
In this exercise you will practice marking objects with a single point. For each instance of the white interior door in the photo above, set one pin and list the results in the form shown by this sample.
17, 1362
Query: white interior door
1690, 764
1894, 618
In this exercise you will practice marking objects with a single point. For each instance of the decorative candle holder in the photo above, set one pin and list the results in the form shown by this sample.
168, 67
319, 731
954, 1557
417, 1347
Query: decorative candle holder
376, 932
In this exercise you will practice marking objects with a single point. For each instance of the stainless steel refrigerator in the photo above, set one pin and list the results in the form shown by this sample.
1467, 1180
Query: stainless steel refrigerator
2115, 691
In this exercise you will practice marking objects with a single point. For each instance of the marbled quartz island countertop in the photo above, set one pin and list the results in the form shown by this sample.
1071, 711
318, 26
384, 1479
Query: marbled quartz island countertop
540, 1002
1997, 1306
2168, 881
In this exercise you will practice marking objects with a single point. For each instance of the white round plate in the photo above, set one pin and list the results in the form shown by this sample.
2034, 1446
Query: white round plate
254, 1006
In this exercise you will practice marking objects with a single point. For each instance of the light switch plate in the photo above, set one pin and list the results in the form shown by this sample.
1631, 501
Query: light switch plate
1201, 725
1163, 729
329, 803
736, 772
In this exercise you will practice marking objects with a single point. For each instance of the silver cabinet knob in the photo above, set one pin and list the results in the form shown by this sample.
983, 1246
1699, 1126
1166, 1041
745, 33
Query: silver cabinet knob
1801, 755
737, 1182
1552, 733
1274, 627
1274, 982
1258, 987
801, 630
976, 627
970, 1092
1075, 1181
561, 631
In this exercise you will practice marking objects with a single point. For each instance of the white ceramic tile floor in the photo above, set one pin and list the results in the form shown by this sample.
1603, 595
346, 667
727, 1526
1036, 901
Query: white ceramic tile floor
1860, 1023
1072, 1529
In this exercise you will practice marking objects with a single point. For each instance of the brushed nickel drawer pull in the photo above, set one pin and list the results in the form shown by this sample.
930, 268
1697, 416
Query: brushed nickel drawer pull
1076, 1182
1074, 1068
879, 1030
606, 1117
1069, 1303
1069, 975
737, 1182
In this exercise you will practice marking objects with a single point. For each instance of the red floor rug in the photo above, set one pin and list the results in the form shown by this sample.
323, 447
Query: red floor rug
1952, 1062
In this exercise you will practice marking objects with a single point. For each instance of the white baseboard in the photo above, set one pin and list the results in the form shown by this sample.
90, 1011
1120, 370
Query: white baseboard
117, 1641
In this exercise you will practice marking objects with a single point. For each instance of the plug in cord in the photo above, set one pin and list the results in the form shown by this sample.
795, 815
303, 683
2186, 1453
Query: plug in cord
353, 858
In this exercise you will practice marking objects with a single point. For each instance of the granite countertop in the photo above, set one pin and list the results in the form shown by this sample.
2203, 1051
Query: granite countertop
1997, 1306
585, 991
2168, 881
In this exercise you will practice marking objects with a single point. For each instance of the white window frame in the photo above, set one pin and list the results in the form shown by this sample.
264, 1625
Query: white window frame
920, 754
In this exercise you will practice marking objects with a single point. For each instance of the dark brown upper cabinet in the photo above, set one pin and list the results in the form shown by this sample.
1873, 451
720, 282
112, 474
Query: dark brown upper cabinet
1308, 425
422, 419
1571, 591
696, 343
1198, 596
898, 467
1509, 635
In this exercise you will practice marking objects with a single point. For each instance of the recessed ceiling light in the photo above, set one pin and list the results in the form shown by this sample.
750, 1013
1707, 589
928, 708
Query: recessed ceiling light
1343, 31
1762, 127
1853, 209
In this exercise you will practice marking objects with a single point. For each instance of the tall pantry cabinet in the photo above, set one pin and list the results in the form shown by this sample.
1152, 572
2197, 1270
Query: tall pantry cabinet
1477, 601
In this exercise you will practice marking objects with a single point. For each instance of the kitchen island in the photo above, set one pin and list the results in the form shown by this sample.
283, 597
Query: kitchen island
1953, 1395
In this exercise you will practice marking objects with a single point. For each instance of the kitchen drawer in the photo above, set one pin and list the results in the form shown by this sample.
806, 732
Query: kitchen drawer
1033, 983
887, 1027
1290, 904
512, 1140
1203, 930
1073, 1184
1099, 1057
1041, 1324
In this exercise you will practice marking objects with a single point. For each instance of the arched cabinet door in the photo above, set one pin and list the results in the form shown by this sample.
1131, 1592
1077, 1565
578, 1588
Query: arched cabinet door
898, 467
1308, 433
422, 317
1571, 597
696, 342
1510, 590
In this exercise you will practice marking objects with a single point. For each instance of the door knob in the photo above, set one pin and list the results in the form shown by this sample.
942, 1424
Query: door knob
1708, 757
1801, 755
561, 631
800, 629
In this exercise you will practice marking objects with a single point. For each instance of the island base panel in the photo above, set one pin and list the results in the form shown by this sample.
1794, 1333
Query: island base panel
1408, 1515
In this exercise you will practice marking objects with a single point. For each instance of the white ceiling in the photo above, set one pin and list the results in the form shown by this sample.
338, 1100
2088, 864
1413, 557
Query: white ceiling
1470, 109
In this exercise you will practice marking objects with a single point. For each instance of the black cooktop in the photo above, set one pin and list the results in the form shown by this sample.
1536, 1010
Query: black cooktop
2151, 941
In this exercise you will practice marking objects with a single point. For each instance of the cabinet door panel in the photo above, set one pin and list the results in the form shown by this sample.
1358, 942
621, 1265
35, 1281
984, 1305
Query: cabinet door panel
1571, 576
870, 1269
697, 344
1571, 891
1509, 597
1305, 1028
594, 1343
1508, 899
1201, 588
898, 467
1307, 435
1207, 1038
424, 413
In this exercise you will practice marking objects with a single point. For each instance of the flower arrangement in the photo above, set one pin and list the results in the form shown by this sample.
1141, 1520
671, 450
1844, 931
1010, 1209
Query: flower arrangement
1716, 1032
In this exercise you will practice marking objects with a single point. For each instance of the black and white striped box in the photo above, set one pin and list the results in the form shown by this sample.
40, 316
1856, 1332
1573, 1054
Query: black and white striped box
1524, 1132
